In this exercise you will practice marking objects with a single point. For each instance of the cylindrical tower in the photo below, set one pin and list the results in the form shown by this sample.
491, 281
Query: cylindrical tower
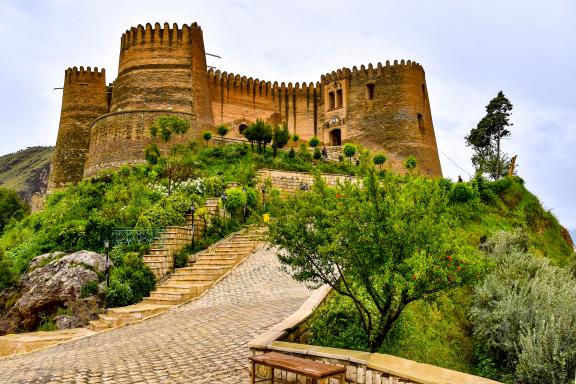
84, 98
388, 109
162, 71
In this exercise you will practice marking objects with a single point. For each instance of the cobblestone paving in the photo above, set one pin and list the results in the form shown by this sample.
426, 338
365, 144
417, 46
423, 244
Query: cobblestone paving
201, 342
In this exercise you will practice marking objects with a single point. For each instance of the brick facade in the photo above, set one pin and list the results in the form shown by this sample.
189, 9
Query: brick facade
163, 71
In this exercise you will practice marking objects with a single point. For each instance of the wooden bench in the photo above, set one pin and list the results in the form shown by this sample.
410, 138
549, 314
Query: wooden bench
304, 367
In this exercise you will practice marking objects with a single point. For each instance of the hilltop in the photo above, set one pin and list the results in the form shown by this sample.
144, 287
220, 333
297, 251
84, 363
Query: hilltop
26, 171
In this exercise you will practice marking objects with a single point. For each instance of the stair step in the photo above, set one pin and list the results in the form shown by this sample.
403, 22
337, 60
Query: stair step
98, 325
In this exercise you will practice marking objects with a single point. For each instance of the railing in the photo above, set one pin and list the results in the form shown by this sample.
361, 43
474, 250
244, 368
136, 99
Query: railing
129, 236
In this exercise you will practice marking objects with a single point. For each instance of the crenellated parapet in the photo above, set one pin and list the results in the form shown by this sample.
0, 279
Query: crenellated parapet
80, 74
148, 35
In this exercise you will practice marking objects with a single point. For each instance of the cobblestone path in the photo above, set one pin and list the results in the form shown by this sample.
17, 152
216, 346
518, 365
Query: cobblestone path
200, 342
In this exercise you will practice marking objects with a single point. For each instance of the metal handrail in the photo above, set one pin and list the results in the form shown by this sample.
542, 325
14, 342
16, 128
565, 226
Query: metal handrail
129, 236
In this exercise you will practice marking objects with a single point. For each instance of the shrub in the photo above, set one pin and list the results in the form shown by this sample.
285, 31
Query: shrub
349, 150
410, 163
207, 136
523, 313
317, 154
152, 153
11, 207
119, 294
89, 289
379, 159
292, 153
314, 142
461, 193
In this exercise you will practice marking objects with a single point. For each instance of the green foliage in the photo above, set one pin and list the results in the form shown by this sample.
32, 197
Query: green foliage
392, 243
349, 150
523, 313
46, 324
280, 137
292, 153
410, 163
317, 154
259, 132
314, 142
222, 130
165, 127
295, 138
379, 159
169, 210
89, 289
461, 193
11, 207
207, 135
485, 139
152, 153
6, 274
130, 279
181, 258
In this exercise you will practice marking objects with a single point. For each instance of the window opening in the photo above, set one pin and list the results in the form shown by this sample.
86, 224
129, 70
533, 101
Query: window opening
370, 91
339, 98
331, 100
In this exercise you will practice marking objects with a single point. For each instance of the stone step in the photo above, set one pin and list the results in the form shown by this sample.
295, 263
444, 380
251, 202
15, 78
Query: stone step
172, 296
136, 312
112, 321
98, 325
162, 301
171, 287
195, 277
210, 256
209, 263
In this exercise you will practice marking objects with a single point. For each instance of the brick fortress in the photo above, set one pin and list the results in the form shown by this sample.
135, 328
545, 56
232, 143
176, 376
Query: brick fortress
163, 71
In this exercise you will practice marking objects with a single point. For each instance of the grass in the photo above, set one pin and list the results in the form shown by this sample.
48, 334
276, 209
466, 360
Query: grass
19, 171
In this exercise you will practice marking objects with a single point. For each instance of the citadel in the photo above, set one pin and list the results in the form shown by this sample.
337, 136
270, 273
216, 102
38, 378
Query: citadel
162, 71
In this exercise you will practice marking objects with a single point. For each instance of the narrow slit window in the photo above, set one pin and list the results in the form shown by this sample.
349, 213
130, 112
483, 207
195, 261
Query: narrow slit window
339, 98
421, 123
370, 91
332, 100
424, 91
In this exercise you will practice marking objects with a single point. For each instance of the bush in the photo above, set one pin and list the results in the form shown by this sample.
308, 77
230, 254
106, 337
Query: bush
130, 279
11, 207
292, 153
314, 142
119, 294
523, 313
410, 163
317, 154
461, 193
89, 289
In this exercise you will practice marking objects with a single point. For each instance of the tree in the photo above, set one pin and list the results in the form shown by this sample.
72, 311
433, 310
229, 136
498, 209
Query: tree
295, 138
379, 159
207, 136
222, 130
152, 153
486, 138
259, 132
382, 246
349, 150
165, 127
280, 137
314, 142
11, 207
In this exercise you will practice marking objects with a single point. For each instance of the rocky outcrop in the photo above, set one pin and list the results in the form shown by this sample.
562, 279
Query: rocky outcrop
54, 280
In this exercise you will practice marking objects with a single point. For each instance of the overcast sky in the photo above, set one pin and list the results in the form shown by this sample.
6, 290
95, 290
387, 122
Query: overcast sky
469, 49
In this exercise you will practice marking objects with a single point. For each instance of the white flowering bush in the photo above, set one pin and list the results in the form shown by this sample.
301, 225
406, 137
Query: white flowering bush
209, 186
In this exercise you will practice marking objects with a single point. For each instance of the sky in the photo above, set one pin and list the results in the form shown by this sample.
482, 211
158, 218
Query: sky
469, 49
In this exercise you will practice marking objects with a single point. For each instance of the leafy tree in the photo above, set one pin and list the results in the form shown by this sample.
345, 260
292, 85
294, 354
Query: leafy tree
280, 137
259, 132
410, 163
382, 246
222, 130
349, 150
165, 127
317, 154
314, 142
207, 136
11, 207
486, 138
295, 138
379, 159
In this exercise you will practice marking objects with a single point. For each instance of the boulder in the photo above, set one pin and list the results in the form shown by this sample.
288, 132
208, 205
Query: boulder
54, 280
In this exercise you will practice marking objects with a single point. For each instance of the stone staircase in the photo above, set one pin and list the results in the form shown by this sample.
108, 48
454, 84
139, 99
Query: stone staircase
160, 258
186, 283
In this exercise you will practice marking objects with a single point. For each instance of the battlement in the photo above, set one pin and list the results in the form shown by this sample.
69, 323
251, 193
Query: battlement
76, 74
158, 35
249, 84
370, 70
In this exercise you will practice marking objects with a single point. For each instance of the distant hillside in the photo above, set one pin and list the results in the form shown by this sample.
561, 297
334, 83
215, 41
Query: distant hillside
26, 171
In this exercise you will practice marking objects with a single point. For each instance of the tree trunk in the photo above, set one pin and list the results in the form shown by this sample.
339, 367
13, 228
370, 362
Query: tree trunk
498, 154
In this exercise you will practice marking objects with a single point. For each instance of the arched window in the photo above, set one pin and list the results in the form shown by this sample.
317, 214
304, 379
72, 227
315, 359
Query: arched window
242, 128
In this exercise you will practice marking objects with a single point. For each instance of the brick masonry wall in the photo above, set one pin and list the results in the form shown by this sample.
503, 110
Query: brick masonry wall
84, 98
293, 181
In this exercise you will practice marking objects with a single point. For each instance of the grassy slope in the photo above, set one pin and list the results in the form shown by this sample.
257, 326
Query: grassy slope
26, 171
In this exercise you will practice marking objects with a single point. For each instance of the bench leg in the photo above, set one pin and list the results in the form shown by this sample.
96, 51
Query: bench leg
272, 380
253, 372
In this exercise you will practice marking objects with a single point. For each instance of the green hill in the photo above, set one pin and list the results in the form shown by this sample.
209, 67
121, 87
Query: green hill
26, 171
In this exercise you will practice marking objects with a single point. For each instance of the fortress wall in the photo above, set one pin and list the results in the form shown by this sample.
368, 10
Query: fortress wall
390, 121
84, 98
121, 137
237, 100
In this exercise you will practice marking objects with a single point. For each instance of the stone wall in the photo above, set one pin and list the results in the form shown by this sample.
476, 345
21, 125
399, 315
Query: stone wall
84, 98
288, 181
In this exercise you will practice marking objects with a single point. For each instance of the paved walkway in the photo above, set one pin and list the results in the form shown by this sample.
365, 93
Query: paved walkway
200, 342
